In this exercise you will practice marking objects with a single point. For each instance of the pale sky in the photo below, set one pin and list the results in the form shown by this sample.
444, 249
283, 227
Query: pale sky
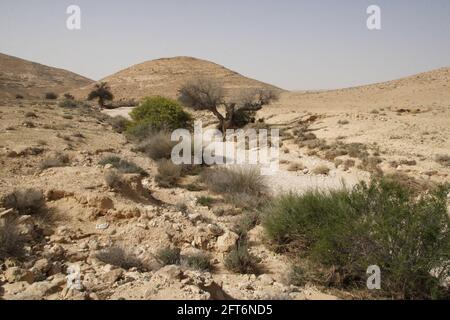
293, 44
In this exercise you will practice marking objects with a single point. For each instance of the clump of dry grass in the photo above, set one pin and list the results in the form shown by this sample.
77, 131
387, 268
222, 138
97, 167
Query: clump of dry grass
168, 174
113, 179
119, 123
122, 165
296, 166
242, 186
158, 146
25, 201
199, 261
443, 159
168, 256
11, 240
240, 260
321, 169
234, 180
122, 257
58, 159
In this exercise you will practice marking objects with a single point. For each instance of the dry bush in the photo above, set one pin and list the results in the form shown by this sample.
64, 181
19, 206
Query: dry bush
199, 261
113, 179
349, 163
240, 260
242, 186
122, 165
246, 223
168, 174
51, 96
119, 123
296, 166
28, 124
25, 201
321, 169
58, 159
122, 257
168, 256
235, 180
443, 159
205, 201
30, 115
343, 122
11, 240
157, 146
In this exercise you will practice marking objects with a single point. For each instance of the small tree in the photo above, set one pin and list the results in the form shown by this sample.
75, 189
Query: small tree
204, 94
102, 92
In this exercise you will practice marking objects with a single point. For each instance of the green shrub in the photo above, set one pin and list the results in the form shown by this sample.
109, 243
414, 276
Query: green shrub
205, 201
240, 260
382, 224
122, 165
168, 174
159, 113
168, 256
199, 261
243, 117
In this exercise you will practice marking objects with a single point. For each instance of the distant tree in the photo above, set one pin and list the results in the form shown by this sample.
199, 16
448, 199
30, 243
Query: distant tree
102, 93
205, 94
19, 96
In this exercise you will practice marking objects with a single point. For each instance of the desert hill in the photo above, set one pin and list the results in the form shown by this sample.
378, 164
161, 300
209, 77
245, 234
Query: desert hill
33, 80
165, 77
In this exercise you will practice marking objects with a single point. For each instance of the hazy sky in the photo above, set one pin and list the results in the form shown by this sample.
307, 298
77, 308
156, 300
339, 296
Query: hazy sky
294, 44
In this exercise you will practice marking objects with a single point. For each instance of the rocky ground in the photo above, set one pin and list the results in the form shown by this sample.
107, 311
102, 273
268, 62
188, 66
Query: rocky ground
83, 216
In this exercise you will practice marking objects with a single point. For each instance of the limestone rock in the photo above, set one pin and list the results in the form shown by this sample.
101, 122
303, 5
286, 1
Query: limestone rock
226, 241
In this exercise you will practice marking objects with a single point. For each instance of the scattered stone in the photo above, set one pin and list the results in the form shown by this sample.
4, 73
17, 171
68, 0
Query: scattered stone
226, 241
102, 226
16, 274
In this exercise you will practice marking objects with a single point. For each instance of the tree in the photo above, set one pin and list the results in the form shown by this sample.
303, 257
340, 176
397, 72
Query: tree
205, 94
102, 92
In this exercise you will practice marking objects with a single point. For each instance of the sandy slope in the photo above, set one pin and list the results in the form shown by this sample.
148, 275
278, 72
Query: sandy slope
165, 77
29, 79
